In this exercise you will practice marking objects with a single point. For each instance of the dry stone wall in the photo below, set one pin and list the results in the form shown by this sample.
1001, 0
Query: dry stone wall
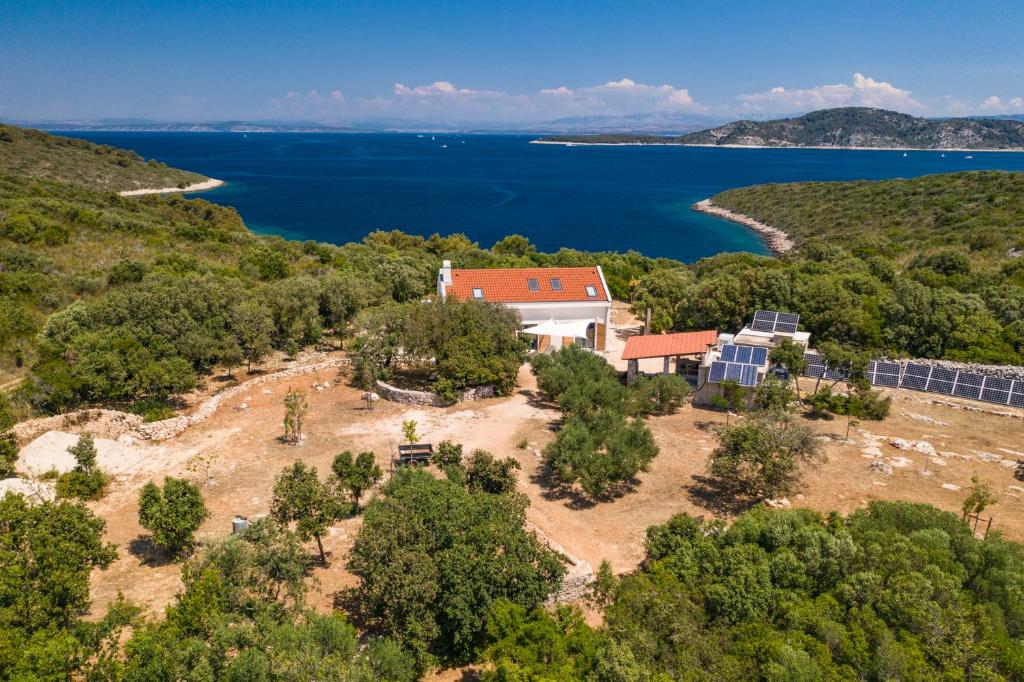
410, 397
113, 424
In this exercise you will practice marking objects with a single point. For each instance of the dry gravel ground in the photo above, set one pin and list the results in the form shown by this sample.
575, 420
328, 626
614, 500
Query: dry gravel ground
249, 457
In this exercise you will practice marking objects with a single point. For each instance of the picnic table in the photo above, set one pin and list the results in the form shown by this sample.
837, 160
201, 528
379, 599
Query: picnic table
413, 454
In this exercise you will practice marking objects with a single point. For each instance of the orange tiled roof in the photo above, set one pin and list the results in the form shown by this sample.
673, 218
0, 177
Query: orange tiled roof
661, 345
511, 285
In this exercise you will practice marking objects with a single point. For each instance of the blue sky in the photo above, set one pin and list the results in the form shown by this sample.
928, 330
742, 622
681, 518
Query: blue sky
505, 62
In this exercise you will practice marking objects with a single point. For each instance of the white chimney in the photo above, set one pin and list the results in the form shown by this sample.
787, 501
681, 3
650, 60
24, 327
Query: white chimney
444, 278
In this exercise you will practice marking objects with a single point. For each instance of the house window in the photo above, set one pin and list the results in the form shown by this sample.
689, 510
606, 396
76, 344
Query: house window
556, 284
478, 293
591, 291
533, 284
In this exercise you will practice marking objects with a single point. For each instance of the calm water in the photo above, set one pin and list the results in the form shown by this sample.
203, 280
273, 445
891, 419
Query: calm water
336, 188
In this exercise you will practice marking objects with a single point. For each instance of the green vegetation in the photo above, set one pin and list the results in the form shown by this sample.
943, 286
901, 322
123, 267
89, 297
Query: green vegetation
242, 616
603, 443
172, 514
41, 156
760, 456
841, 127
432, 557
465, 344
300, 497
895, 591
86, 481
927, 267
352, 477
47, 552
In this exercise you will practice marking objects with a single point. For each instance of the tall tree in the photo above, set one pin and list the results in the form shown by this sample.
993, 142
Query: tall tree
300, 497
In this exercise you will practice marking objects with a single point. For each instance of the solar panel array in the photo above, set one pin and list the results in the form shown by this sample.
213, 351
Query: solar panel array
964, 384
745, 374
745, 355
932, 379
771, 321
882, 373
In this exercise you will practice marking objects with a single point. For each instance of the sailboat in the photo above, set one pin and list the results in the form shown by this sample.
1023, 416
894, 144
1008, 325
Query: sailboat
904, 154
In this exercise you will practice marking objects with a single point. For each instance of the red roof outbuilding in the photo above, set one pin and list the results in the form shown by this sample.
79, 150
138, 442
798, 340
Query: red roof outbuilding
513, 285
668, 345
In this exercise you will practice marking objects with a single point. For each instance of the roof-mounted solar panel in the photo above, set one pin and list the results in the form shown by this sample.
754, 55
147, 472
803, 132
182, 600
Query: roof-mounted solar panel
729, 353
772, 321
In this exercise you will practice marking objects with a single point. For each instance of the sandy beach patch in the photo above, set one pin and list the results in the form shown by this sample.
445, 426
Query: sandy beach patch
212, 183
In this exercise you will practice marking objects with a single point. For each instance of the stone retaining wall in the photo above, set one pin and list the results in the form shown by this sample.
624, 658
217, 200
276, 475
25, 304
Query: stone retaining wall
113, 424
1001, 371
410, 397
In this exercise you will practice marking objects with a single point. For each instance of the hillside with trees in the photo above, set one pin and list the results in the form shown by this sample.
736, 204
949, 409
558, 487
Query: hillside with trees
845, 127
40, 156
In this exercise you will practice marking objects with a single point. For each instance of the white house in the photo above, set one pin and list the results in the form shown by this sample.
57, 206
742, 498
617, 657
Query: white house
558, 306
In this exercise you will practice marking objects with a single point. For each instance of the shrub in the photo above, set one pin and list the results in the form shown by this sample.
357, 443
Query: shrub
602, 452
761, 456
85, 481
172, 514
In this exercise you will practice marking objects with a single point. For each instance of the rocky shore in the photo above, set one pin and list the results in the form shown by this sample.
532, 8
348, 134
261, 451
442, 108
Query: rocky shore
777, 240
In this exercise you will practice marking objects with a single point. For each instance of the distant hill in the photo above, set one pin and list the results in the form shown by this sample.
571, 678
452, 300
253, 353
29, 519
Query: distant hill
34, 154
848, 127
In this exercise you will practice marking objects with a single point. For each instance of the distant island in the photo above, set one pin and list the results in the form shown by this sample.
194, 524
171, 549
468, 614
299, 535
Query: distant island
843, 128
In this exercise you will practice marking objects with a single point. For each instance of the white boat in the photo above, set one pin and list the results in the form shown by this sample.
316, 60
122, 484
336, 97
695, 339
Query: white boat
444, 146
968, 157
904, 153
432, 137
943, 156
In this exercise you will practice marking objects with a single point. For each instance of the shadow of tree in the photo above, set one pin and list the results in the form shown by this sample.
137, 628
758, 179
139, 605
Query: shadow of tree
554, 490
145, 550
714, 495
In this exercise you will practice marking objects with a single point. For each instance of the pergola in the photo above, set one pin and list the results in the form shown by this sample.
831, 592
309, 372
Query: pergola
668, 346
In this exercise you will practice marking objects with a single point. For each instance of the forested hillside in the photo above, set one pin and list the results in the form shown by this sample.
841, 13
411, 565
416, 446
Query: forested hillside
978, 215
929, 267
34, 154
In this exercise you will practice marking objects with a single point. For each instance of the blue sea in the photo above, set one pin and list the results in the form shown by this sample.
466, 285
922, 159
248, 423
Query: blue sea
338, 187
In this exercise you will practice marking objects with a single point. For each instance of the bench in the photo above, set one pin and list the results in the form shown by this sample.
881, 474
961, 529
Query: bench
417, 454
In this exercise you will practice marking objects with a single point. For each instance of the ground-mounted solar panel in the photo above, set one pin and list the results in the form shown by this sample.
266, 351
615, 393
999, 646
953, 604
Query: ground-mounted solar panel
916, 376
748, 375
834, 373
729, 353
764, 321
1017, 394
717, 372
882, 373
815, 365
997, 390
759, 356
969, 385
941, 380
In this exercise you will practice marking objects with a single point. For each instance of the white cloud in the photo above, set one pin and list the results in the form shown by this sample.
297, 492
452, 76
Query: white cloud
862, 91
996, 105
312, 106
443, 99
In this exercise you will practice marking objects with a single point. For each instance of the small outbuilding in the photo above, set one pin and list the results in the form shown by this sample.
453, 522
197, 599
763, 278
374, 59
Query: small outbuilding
686, 349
